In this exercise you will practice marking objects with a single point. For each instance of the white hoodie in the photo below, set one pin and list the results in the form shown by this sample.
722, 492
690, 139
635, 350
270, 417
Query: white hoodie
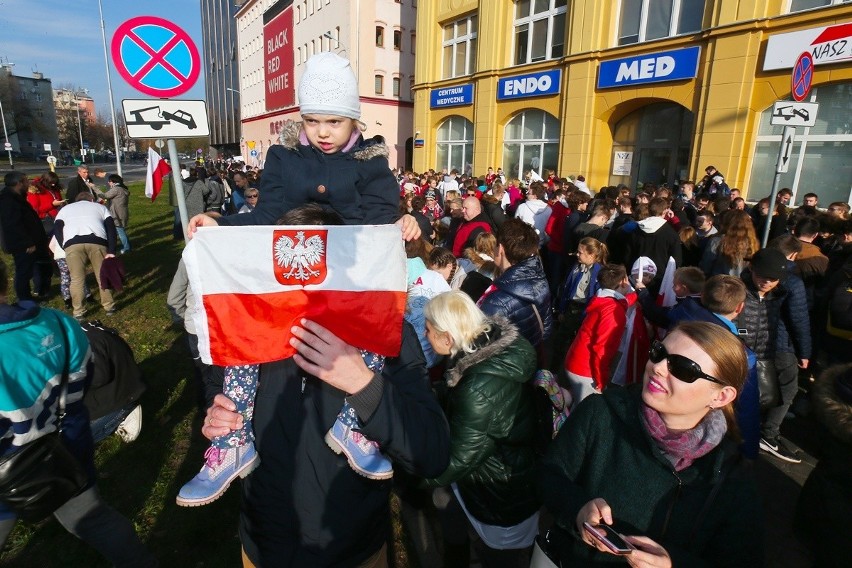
535, 212
651, 224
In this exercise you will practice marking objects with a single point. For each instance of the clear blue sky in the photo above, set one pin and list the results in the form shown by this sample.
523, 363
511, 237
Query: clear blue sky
62, 39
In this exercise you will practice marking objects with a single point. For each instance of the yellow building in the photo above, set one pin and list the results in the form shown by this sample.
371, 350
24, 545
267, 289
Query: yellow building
636, 91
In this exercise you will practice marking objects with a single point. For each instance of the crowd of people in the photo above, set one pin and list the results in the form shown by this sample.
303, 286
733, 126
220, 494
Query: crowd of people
673, 341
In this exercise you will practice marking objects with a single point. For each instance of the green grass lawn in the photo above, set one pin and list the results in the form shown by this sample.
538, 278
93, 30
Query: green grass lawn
141, 479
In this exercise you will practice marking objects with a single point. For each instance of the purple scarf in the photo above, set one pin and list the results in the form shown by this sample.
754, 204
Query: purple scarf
683, 448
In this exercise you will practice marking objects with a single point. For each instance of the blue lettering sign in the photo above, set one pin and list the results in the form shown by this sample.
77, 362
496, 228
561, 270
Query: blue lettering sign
672, 65
452, 96
532, 85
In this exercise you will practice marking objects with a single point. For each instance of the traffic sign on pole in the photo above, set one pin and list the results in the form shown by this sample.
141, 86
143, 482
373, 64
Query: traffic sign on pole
790, 113
155, 56
802, 76
146, 118
786, 151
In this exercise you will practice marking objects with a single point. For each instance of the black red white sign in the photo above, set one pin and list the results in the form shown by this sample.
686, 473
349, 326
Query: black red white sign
155, 56
830, 44
278, 62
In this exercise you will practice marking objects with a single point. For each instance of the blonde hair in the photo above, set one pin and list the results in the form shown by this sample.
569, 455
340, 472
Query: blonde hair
727, 353
454, 313
595, 248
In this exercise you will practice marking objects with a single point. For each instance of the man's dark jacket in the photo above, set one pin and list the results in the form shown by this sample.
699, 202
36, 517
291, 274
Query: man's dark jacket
21, 225
77, 186
521, 287
304, 505
758, 322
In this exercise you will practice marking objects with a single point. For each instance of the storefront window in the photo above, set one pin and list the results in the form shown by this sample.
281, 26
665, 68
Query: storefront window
799, 5
539, 30
820, 160
455, 144
531, 142
645, 20
459, 47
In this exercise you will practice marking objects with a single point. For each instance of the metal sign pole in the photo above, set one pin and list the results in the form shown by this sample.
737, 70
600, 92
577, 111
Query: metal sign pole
781, 167
177, 185
8, 142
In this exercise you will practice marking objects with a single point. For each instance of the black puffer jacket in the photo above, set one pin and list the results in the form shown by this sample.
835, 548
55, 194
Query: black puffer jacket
758, 322
794, 326
492, 427
521, 287
20, 223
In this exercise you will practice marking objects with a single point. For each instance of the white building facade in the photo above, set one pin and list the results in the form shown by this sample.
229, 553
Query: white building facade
275, 40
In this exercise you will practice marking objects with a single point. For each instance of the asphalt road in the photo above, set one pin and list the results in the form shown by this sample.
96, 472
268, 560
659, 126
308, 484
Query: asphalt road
130, 172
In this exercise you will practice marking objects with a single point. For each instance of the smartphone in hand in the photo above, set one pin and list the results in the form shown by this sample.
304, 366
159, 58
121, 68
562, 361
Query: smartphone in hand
607, 536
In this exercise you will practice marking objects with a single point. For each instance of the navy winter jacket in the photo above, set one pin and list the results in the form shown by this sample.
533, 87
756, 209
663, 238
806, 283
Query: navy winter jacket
794, 326
521, 287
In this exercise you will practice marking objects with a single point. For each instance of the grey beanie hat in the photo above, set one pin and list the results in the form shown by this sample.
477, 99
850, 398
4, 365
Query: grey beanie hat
328, 86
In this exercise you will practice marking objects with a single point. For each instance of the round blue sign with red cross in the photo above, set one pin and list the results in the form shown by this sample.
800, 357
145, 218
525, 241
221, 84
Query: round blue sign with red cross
155, 56
803, 76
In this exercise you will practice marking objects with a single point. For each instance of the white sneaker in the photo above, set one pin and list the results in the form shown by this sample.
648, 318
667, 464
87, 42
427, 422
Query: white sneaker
130, 427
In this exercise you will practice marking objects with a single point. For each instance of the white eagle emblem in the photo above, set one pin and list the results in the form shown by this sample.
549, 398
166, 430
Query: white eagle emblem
300, 257
47, 340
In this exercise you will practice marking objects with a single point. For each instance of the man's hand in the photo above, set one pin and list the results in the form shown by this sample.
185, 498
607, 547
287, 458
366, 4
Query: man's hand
803, 363
327, 357
595, 512
108, 255
410, 228
647, 554
200, 220
222, 418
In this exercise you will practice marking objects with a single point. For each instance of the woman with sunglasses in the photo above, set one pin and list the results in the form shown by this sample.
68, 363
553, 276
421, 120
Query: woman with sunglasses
658, 461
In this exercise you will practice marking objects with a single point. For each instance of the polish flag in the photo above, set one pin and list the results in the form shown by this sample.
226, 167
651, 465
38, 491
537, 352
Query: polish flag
253, 283
157, 169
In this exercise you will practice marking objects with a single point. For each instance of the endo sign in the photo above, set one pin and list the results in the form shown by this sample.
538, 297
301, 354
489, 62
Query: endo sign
532, 85
673, 65
278, 56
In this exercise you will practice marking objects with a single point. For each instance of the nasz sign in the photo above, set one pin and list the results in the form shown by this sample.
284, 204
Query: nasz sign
278, 57
532, 85
832, 44
673, 65
451, 96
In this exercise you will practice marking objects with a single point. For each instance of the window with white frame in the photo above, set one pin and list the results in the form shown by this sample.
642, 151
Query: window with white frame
646, 20
379, 84
819, 160
539, 30
396, 82
800, 5
460, 47
531, 142
454, 144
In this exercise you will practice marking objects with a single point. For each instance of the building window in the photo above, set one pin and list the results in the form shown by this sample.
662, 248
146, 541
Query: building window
397, 39
455, 144
800, 5
413, 41
820, 155
539, 30
645, 20
396, 86
380, 36
460, 47
531, 142
380, 84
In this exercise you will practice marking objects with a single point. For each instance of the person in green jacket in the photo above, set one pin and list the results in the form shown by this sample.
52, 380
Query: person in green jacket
488, 484
658, 462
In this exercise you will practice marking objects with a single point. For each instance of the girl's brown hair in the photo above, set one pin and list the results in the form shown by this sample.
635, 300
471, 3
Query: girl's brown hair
739, 243
595, 248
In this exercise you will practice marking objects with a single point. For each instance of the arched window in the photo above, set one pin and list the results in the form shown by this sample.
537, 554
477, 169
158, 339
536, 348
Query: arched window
531, 142
455, 144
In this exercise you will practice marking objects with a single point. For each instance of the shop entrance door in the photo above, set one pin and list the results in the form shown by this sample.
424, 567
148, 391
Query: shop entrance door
659, 137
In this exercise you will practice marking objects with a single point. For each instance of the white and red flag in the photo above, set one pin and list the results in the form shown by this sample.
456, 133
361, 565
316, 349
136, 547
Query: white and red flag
158, 168
254, 283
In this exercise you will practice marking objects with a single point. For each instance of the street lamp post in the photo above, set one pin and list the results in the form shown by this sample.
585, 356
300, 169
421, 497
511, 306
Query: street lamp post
109, 88
6, 136
80, 125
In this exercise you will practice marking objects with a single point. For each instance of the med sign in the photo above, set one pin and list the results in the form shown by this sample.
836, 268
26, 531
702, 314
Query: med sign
674, 65
532, 85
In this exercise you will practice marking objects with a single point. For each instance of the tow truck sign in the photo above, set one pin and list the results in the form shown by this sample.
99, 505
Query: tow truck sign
791, 113
831, 44
160, 118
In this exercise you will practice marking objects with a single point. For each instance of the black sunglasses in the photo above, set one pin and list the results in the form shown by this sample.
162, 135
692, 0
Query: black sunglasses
682, 368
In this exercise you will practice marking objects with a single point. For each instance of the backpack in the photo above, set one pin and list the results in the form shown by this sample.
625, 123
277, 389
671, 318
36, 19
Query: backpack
840, 306
116, 379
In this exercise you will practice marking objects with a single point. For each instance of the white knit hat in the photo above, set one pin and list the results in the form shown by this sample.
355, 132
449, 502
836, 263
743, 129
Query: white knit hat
329, 86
